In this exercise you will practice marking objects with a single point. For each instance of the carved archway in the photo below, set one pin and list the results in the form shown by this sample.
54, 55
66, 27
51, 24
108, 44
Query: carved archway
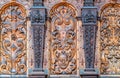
110, 39
13, 33
63, 39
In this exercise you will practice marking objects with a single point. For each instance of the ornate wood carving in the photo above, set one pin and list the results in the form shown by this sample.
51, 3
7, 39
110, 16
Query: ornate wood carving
110, 40
63, 40
13, 41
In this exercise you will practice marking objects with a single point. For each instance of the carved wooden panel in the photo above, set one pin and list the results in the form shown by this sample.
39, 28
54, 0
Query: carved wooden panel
63, 40
13, 40
110, 40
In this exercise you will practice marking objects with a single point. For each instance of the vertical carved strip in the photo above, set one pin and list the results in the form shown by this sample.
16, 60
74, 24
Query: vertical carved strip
38, 45
38, 25
89, 45
89, 20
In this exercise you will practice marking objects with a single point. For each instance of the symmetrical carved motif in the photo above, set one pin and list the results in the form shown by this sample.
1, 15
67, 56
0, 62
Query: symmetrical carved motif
13, 41
110, 40
63, 40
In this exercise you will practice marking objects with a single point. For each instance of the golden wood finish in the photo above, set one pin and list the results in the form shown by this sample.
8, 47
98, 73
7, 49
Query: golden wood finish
63, 40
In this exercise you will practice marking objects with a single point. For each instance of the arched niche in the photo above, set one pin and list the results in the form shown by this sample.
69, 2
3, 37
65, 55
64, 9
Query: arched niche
63, 39
13, 34
110, 39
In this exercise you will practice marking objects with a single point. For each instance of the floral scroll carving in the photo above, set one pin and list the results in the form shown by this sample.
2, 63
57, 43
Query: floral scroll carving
13, 41
63, 41
110, 40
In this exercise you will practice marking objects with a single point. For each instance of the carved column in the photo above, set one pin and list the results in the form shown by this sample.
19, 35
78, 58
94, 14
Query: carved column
89, 21
38, 25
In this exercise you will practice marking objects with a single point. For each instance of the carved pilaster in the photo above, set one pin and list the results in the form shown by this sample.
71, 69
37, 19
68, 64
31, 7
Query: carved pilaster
38, 16
89, 21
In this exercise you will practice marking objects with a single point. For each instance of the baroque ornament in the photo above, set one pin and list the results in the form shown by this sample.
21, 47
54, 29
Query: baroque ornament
13, 40
63, 40
110, 40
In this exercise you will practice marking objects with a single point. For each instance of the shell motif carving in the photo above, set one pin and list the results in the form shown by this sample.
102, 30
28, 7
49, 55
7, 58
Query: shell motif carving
13, 41
63, 41
110, 40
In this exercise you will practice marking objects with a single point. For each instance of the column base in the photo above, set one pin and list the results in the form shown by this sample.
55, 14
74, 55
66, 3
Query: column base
38, 73
89, 73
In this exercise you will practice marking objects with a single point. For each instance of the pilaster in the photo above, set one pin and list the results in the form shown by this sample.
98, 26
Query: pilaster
89, 23
38, 15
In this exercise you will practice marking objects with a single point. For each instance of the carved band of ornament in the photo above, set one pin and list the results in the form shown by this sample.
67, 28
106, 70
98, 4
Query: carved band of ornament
13, 37
109, 40
63, 41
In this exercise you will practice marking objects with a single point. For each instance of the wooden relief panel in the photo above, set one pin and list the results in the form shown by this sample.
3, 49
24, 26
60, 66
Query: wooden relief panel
63, 40
110, 40
13, 40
